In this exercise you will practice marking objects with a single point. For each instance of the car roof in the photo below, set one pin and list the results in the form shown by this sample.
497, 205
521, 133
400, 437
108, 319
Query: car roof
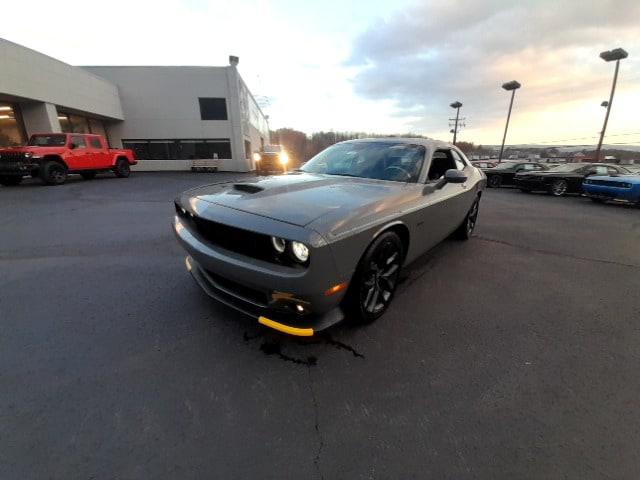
427, 142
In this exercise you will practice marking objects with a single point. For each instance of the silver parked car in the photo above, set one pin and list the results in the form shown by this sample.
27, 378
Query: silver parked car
301, 251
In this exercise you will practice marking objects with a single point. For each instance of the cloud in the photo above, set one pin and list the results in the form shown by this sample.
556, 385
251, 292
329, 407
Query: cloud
434, 53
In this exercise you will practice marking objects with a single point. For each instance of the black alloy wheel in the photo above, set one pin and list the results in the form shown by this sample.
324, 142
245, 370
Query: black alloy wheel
559, 188
495, 181
376, 278
122, 169
465, 230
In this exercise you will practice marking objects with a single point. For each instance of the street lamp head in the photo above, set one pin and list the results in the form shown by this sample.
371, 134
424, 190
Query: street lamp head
604, 104
452, 131
615, 54
512, 85
455, 105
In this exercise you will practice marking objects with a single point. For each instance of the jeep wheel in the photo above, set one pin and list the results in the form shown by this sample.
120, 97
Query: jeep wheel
53, 173
122, 169
90, 175
10, 180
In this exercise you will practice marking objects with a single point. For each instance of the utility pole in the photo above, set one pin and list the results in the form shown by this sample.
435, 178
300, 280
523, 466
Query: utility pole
609, 56
456, 105
509, 86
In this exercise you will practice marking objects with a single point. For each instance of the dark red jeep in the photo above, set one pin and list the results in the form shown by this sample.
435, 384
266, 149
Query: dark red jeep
51, 156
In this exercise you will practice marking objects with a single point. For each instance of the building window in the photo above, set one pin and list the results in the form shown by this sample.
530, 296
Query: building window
186, 149
73, 123
213, 108
11, 128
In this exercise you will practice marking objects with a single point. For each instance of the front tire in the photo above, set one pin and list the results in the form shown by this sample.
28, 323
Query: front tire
494, 181
559, 188
374, 284
53, 173
122, 169
465, 231
10, 180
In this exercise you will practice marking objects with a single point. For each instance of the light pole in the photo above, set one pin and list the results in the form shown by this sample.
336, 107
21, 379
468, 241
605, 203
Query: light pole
610, 56
457, 106
509, 86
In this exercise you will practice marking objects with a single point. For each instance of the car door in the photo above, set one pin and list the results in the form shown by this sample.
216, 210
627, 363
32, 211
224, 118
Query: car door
98, 152
439, 210
78, 156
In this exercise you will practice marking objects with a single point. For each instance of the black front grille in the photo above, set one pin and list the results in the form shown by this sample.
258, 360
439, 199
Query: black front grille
245, 242
12, 156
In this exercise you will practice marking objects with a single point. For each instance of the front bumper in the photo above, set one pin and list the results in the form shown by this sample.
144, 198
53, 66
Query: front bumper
292, 301
18, 167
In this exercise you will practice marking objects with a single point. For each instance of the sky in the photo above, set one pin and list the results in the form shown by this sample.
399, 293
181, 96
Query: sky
376, 66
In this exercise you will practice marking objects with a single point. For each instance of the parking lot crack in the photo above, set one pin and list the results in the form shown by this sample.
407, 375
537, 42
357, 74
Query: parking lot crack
557, 254
320, 438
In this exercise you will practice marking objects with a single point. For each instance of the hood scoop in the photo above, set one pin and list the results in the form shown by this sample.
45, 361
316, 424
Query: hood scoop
247, 187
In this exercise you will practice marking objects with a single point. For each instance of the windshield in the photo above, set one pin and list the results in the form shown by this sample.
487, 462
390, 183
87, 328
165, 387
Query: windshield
47, 140
399, 162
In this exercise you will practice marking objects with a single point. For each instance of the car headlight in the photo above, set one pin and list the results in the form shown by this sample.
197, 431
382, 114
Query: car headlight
28, 155
300, 251
257, 157
284, 158
279, 244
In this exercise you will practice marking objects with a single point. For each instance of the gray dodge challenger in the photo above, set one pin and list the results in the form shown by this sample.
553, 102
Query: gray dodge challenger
302, 251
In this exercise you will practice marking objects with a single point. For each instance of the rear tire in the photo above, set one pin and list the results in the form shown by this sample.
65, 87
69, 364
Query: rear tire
10, 180
53, 173
122, 169
373, 285
90, 175
465, 231
559, 188
494, 181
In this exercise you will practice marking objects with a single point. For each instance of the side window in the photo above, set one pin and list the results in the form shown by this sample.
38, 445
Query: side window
78, 141
95, 143
601, 170
529, 167
441, 161
537, 167
612, 171
458, 160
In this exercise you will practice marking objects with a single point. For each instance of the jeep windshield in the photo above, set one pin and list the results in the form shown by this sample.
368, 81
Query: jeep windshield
47, 140
395, 161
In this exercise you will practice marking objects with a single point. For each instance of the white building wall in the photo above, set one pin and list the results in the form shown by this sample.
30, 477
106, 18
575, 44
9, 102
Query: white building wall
30, 75
162, 103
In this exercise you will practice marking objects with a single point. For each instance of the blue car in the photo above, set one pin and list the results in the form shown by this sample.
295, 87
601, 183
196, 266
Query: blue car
601, 188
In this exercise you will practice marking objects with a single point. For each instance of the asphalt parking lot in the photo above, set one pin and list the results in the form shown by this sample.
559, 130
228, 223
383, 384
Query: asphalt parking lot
513, 355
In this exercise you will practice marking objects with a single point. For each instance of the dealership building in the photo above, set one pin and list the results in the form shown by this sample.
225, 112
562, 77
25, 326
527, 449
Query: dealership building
169, 116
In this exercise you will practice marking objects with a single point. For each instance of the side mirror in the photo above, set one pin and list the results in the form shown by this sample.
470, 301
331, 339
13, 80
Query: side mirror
72, 146
454, 176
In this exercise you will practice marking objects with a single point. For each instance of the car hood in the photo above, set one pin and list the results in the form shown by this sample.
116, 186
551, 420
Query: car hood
297, 198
